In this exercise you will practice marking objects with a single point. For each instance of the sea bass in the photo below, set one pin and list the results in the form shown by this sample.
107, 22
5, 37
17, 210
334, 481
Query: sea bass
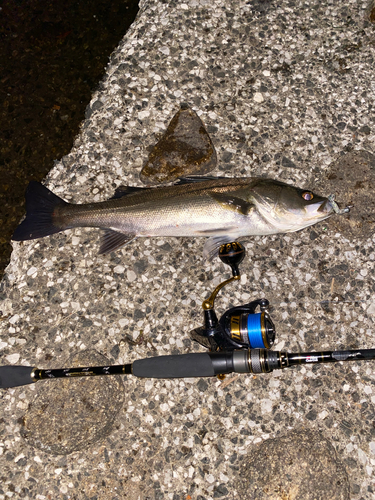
222, 209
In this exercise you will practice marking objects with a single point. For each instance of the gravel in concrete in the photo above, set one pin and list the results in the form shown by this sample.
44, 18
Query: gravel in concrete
286, 90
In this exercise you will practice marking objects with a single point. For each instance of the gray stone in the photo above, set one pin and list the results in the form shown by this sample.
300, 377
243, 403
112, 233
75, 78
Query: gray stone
352, 179
301, 465
67, 415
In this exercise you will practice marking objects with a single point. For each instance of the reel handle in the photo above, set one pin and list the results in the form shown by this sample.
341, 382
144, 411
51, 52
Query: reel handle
232, 254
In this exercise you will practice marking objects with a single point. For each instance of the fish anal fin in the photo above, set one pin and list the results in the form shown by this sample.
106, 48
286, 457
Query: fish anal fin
233, 202
113, 240
212, 245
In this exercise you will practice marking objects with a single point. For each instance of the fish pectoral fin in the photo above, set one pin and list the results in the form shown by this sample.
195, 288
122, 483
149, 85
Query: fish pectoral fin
113, 240
212, 245
233, 202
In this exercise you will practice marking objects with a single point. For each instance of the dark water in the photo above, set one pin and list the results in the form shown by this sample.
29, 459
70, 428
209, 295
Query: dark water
52, 56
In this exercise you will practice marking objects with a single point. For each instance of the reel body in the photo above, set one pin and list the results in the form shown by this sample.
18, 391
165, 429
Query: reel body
240, 327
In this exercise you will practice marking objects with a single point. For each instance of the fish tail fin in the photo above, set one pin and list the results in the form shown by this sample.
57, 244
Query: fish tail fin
40, 206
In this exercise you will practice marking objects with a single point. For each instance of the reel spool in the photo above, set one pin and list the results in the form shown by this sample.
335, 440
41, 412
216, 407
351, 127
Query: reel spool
248, 328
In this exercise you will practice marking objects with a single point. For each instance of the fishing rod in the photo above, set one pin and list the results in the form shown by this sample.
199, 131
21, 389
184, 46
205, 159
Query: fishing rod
204, 364
239, 342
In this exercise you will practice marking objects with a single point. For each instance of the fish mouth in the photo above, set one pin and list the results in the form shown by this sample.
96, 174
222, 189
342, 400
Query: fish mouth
325, 207
321, 209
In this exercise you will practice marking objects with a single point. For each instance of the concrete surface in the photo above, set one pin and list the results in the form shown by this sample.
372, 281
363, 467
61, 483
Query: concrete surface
286, 90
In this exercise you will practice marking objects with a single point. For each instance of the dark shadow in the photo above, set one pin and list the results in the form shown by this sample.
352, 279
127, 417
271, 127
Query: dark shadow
53, 55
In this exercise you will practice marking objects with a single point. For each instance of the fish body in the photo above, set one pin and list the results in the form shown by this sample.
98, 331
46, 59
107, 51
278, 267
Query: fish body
222, 209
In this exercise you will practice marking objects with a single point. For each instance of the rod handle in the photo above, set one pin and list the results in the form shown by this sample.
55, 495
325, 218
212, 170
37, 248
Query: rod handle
15, 375
184, 365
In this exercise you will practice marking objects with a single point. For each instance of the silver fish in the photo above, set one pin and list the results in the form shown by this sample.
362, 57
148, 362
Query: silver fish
222, 209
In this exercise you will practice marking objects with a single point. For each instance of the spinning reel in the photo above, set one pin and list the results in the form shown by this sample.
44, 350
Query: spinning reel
240, 327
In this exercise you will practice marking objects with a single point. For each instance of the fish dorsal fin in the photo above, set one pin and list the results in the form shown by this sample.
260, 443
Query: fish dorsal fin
126, 191
212, 245
113, 240
232, 202
191, 179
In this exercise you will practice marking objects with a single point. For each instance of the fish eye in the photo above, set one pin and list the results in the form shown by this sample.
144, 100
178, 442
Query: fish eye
307, 195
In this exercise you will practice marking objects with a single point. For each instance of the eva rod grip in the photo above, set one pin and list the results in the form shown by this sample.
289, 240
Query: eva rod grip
184, 365
15, 376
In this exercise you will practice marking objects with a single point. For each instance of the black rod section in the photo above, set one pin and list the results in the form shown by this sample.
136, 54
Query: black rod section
88, 371
306, 358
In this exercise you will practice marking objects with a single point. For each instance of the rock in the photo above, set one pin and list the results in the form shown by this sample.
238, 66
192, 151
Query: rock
185, 149
301, 465
351, 178
71, 414
371, 11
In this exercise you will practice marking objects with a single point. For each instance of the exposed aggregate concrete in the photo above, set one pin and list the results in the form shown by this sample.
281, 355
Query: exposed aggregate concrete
286, 90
